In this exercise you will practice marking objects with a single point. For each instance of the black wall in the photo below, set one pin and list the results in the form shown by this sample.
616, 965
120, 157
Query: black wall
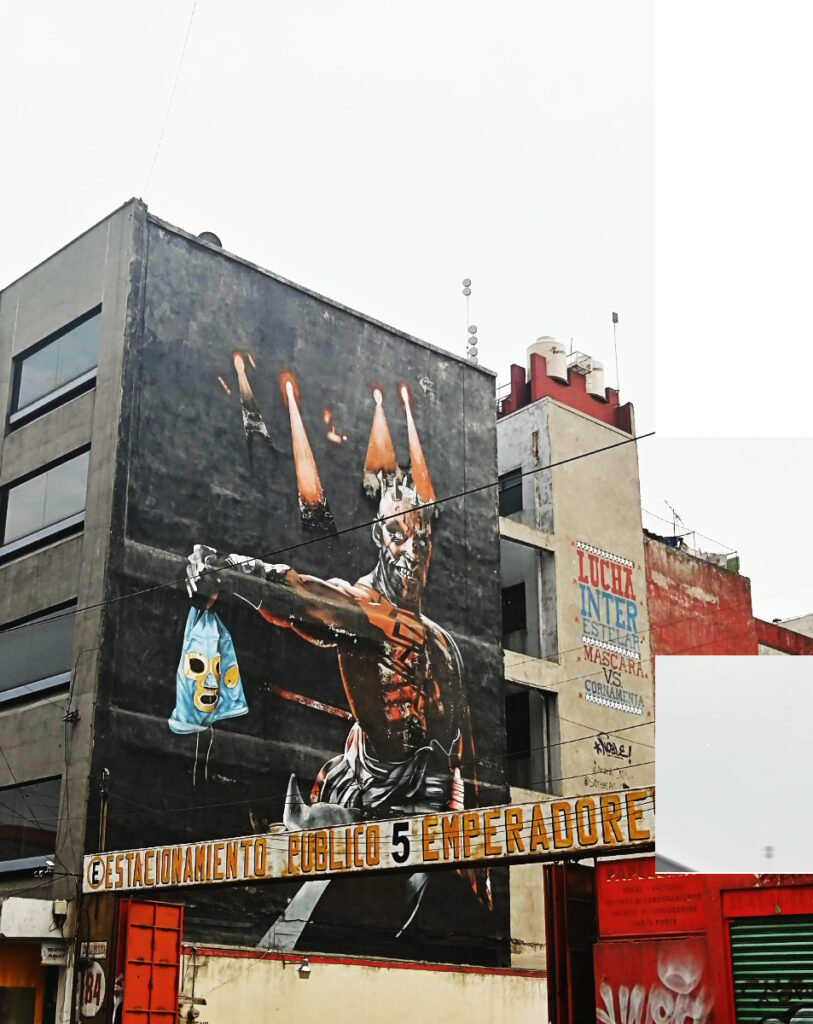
187, 475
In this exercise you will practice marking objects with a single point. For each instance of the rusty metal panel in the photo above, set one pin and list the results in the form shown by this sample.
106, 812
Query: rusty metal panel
152, 962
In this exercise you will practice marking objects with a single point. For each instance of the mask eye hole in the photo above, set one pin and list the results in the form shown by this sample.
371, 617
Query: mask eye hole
195, 666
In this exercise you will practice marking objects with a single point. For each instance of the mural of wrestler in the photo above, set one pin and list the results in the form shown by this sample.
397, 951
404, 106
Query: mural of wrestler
402, 673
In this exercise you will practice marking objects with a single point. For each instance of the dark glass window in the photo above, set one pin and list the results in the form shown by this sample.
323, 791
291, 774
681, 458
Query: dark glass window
510, 488
28, 818
56, 369
530, 728
45, 504
36, 655
513, 609
517, 725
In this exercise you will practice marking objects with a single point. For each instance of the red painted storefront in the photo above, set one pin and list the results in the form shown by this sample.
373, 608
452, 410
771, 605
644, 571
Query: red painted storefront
664, 949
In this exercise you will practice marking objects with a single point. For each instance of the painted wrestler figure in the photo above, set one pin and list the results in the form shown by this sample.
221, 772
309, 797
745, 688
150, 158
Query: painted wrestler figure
401, 672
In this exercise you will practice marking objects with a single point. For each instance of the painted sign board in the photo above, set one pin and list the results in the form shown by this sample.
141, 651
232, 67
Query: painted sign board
93, 950
54, 953
608, 603
633, 900
546, 830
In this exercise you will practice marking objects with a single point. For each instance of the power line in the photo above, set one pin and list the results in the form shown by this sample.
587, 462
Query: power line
483, 762
172, 96
331, 536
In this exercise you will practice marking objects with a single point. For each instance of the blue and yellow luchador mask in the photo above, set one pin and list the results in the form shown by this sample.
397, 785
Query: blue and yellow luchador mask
208, 687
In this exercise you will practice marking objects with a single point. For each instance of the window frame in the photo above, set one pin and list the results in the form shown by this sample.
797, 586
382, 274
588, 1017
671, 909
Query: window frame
507, 483
65, 392
39, 538
15, 864
516, 587
543, 749
48, 684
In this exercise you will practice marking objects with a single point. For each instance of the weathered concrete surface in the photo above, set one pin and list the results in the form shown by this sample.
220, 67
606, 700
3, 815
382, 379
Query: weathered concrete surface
47, 438
236, 983
93, 270
593, 500
186, 475
696, 607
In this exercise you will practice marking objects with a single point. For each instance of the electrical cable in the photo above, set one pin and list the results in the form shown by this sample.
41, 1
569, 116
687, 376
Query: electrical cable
171, 97
484, 762
366, 525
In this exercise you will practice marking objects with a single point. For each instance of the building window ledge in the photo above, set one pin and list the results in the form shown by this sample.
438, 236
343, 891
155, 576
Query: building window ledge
26, 690
53, 399
9, 867
34, 540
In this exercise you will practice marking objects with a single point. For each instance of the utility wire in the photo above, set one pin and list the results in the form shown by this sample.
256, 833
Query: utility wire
333, 535
483, 762
171, 97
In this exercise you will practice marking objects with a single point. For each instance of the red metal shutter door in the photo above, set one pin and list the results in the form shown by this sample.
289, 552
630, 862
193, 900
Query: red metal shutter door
152, 963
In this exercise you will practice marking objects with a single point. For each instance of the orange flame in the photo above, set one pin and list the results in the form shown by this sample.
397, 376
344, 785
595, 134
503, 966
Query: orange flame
380, 452
242, 379
332, 434
224, 385
307, 475
420, 473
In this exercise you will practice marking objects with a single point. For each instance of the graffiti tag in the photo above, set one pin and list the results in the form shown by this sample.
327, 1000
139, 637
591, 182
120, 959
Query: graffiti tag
673, 999
794, 1015
604, 745
774, 990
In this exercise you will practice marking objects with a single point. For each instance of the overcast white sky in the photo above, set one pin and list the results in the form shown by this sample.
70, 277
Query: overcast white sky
732, 763
379, 152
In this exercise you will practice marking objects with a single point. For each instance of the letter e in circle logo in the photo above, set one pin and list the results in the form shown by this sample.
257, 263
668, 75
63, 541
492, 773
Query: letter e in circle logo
96, 872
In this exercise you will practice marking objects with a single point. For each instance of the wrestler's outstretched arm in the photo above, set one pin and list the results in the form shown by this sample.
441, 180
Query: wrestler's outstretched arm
290, 600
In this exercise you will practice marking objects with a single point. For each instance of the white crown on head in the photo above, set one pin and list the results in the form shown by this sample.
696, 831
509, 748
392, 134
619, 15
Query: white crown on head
398, 493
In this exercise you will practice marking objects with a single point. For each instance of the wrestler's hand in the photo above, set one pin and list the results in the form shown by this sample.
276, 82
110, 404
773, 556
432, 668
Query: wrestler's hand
255, 567
202, 576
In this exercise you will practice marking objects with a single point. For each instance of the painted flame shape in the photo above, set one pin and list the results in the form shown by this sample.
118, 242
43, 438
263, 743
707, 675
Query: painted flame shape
307, 476
420, 472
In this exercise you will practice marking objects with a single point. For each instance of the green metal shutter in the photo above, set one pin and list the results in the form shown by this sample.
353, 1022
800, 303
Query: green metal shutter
772, 969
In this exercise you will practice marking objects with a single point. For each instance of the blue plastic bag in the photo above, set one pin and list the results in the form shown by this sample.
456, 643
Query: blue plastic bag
208, 687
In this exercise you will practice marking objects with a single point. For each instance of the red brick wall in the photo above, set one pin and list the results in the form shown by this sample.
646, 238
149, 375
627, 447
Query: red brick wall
772, 635
696, 607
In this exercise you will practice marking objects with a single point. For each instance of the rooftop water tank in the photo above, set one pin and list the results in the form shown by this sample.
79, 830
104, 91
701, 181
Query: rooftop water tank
554, 354
594, 382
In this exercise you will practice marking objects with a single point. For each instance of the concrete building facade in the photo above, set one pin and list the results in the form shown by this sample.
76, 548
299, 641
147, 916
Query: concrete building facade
168, 404
190, 441
578, 666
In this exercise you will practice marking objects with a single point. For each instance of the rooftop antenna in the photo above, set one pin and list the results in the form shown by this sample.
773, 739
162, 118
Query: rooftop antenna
675, 518
471, 340
615, 347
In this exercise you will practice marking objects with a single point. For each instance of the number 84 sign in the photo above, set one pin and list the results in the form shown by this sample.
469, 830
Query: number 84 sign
91, 990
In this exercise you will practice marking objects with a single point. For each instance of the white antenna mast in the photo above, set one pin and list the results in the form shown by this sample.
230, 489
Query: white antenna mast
471, 340
615, 347
675, 518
